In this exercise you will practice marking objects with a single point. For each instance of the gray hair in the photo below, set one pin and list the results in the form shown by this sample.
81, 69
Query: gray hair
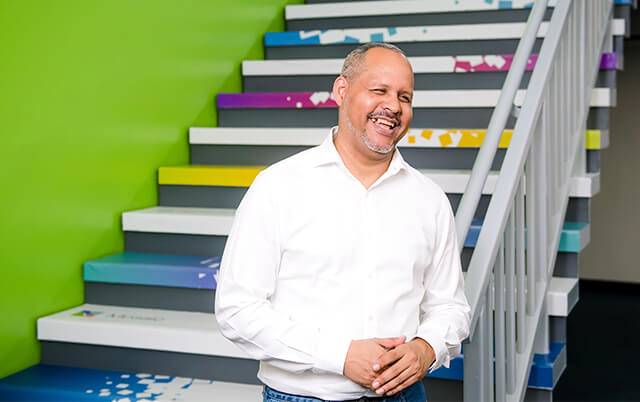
355, 59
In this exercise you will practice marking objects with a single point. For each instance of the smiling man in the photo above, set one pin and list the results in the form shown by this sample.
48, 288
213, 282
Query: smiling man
341, 272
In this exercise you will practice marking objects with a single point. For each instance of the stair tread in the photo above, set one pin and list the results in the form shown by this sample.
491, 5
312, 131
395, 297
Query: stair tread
51, 382
416, 137
421, 65
431, 33
454, 98
155, 270
142, 328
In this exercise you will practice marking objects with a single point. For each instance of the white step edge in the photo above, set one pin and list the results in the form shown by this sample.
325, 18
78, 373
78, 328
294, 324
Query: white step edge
294, 136
395, 7
430, 64
140, 328
205, 221
436, 33
562, 296
472, 98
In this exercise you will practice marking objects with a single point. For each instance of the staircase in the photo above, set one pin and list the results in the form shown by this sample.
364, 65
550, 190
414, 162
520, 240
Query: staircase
147, 331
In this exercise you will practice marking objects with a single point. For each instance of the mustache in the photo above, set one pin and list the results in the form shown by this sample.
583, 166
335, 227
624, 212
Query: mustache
390, 116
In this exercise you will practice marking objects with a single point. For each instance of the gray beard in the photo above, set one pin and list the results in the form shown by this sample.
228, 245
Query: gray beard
376, 148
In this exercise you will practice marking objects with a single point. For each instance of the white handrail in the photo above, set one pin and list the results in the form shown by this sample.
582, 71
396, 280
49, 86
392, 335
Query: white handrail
546, 144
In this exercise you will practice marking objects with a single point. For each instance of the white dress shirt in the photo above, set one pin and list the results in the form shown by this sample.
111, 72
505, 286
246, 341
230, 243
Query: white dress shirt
315, 260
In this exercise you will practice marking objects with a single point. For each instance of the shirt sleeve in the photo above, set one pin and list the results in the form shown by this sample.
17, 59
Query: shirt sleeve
445, 312
246, 282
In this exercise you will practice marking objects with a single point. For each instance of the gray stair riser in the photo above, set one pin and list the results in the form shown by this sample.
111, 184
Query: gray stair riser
408, 20
442, 48
205, 245
426, 81
419, 158
558, 329
150, 361
230, 197
422, 117
566, 265
146, 296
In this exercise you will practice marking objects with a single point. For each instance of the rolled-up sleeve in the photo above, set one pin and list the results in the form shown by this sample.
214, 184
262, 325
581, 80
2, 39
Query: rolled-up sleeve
248, 279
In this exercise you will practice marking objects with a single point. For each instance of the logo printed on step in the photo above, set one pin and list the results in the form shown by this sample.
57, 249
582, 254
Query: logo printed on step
87, 313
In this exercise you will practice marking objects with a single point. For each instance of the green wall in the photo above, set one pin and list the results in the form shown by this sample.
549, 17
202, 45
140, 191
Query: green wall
94, 96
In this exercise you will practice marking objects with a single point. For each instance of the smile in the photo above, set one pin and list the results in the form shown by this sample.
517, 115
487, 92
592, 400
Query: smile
386, 122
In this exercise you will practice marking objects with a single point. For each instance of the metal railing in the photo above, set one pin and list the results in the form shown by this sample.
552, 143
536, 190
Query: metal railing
509, 271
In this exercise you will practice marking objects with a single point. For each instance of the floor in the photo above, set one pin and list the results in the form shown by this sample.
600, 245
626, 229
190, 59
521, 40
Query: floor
603, 345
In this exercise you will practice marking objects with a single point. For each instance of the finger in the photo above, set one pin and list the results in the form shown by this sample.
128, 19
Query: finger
406, 383
389, 343
388, 358
391, 372
400, 378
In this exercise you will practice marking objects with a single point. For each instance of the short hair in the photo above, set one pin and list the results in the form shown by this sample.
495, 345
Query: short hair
355, 59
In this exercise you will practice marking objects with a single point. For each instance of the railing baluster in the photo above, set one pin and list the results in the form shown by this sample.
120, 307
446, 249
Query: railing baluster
488, 345
530, 225
510, 267
520, 268
475, 356
500, 342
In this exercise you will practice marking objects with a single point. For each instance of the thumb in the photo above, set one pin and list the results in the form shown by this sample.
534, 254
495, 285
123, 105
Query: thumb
389, 343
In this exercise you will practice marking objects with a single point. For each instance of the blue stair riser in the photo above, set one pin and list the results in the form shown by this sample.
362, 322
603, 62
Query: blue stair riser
155, 269
542, 371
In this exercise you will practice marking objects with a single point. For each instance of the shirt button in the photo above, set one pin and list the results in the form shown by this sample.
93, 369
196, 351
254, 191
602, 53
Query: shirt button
370, 318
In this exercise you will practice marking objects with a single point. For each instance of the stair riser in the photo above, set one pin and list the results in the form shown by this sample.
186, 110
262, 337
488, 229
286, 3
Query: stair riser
435, 81
144, 296
408, 20
150, 361
203, 245
460, 118
230, 197
419, 158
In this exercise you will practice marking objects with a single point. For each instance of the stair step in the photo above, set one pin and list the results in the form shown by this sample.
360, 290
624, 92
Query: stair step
399, 35
470, 98
218, 221
545, 369
151, 329
152, 334
450, 180
161, 272
398, 7
59, 383
154, 270
415, 137
421, 65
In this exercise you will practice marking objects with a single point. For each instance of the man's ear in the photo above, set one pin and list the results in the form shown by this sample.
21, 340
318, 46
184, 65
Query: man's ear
339, 89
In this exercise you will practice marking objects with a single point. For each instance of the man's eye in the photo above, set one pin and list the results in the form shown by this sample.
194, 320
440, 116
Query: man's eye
378, 90
405, 99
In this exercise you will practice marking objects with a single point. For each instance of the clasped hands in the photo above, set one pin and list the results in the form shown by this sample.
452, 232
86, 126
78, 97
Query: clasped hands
388, 365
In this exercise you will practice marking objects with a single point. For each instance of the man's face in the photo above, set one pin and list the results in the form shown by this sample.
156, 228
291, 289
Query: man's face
375, 105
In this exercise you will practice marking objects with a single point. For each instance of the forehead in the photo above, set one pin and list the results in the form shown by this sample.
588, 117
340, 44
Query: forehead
385, 65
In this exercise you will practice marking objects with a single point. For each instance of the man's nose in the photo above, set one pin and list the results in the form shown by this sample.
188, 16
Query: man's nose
392, 104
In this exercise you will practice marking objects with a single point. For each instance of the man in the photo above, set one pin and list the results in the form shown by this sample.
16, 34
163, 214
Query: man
341, 273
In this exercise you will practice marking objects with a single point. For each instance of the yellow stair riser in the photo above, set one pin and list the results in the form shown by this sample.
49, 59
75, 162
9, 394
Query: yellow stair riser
229, 176
444, 138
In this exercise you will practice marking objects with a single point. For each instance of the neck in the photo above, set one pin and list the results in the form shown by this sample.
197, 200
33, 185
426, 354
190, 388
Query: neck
365, 165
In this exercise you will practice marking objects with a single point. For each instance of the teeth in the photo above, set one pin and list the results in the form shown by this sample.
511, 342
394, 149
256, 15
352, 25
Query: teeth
385, 122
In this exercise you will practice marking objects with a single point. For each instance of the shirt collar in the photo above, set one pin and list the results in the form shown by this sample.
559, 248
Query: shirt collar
328, 154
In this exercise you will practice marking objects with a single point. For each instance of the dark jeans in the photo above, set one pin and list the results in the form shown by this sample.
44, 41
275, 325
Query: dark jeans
414, 393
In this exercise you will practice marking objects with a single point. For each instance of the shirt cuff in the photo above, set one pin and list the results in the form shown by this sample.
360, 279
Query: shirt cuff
439, 348
332, 352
